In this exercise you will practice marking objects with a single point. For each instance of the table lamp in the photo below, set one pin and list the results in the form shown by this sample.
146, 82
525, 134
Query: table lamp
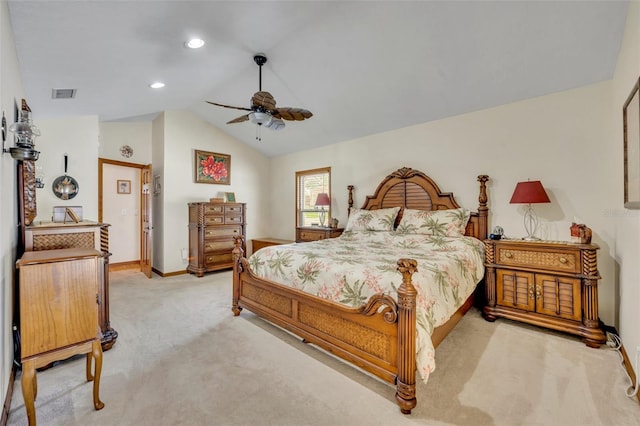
322, 201
530, 192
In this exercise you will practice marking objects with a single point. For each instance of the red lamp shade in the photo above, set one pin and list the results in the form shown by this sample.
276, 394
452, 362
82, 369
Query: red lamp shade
529, 192
323, 199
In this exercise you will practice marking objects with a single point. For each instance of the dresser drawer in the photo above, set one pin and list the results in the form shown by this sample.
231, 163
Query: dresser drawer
222, 244
310, 235
545, 258
214, 208
233, 219
218, 259
213, 220
233, 210
222, 231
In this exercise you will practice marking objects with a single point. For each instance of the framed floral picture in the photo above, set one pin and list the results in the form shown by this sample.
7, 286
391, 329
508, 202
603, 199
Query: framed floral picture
211, 167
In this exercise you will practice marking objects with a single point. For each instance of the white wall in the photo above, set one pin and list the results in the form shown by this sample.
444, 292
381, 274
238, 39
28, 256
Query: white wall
113, 135
78, 137
122, 212
562, 139
626, 229
183, 133
10, 90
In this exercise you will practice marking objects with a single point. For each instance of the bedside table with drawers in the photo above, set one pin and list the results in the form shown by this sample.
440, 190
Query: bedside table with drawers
258, 243
314, 233
551, 284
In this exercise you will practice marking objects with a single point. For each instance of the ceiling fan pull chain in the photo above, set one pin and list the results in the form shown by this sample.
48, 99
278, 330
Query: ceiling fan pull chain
258, 133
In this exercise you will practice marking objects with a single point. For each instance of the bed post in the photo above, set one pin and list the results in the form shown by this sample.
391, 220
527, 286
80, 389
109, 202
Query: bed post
406, 380
483, 210
237, 255
350, 188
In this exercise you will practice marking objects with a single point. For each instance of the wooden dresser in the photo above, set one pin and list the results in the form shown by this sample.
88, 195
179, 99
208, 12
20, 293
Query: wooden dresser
85, 234
314, 233
59, 296
212, 228
546, 283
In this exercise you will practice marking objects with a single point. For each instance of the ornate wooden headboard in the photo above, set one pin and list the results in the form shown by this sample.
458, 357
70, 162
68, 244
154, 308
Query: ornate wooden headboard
412, 189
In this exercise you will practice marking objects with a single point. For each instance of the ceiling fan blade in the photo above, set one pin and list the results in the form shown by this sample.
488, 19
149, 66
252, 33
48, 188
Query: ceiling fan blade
275, 124
294, 114
263, 99
239, 119
229, 106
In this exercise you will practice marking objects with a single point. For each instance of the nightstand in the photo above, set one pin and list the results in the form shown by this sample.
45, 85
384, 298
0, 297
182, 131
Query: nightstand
258, 243
550, 284
314, 233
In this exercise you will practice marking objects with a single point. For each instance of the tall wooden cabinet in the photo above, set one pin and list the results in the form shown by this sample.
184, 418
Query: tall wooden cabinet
545, 283
59, 315
212, 228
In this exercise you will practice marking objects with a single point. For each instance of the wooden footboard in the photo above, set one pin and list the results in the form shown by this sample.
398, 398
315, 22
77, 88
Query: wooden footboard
379, 337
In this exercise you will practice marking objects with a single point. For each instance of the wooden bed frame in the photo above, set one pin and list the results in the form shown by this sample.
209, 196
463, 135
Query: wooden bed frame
380, 336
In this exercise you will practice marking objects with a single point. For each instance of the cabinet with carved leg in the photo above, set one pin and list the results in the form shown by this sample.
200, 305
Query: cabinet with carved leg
545, 283
59, 315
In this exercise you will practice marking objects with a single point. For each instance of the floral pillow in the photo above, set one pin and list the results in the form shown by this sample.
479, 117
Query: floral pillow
448, 223
372, 220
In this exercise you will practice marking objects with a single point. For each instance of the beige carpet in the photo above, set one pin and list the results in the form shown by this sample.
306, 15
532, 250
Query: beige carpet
183, 359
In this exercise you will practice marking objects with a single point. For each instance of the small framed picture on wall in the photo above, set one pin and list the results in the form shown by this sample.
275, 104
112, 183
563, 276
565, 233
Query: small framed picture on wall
124, 186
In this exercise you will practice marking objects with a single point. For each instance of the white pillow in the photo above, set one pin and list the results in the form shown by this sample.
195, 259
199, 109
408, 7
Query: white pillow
449, 223
372, 220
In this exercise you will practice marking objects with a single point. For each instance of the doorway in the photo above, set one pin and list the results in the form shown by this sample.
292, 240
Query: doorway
124, 203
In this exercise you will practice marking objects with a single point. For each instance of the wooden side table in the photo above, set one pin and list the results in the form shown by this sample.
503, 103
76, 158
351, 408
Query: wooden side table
258, 243
315, 233
551, 284
59, 297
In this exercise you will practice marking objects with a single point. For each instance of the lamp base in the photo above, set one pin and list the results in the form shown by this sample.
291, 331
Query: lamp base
322, 217
530, 224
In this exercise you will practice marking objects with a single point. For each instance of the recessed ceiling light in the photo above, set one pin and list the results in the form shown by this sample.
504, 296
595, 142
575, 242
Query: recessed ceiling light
157, 85
195, 43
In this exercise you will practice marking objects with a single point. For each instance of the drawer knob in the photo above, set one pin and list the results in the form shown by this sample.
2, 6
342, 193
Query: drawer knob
508, 255
563, 260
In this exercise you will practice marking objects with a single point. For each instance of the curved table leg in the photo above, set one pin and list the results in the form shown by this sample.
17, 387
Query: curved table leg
29, 389
97, 356
88, 369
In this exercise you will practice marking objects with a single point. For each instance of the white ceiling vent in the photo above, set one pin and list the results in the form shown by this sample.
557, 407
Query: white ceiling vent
63, 93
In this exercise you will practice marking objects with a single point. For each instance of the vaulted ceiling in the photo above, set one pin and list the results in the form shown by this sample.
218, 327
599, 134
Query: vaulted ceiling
361, 67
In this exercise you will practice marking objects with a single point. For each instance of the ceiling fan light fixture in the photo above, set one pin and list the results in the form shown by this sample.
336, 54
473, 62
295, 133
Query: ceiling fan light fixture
260, 118
157, 85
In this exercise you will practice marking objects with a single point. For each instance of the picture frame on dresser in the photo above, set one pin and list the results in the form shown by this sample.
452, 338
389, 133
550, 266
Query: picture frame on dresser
212, 167
631, 132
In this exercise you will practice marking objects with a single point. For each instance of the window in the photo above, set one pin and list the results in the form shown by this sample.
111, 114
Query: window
310, 183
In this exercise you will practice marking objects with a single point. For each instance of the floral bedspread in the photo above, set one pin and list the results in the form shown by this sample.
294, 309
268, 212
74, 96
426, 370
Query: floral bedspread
352, 268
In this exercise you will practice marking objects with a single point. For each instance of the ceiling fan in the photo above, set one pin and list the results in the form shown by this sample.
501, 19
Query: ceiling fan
263, 111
